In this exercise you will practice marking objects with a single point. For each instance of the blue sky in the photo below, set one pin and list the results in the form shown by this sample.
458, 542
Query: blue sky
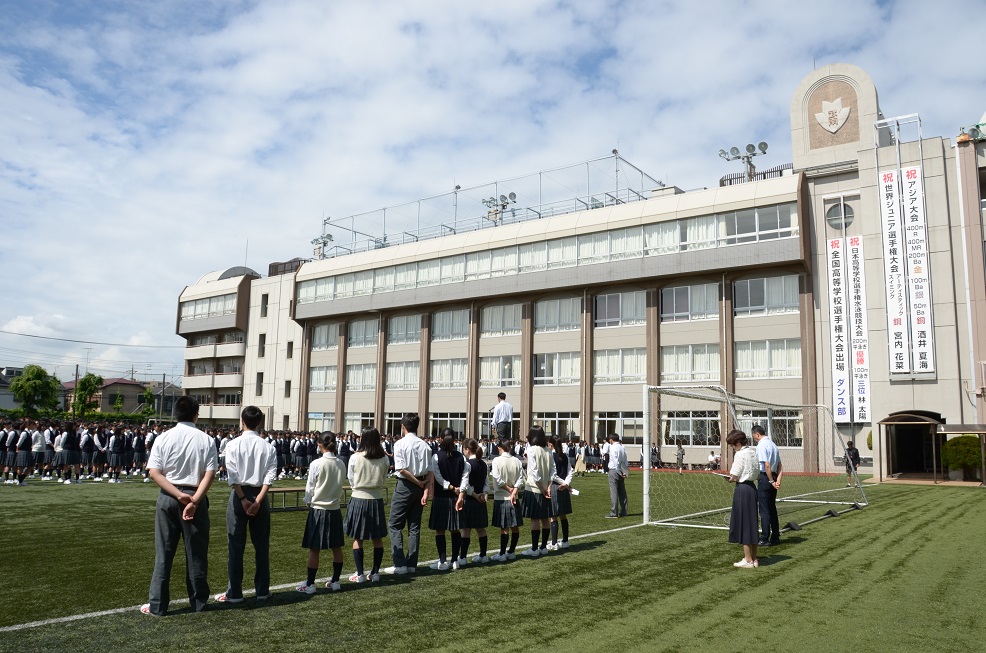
142, 144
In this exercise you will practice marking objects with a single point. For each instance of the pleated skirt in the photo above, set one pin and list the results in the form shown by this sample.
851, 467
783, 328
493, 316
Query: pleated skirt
536, 506
443, 515
323, 529
365, 519
474, 514
506, 514
561, 502
744, 527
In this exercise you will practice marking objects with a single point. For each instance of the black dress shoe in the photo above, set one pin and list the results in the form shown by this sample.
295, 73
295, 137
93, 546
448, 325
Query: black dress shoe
763, 543
610, 516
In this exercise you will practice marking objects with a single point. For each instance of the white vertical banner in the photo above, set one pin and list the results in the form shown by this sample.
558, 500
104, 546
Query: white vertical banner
918, 270
894, 262
838, 331
858, 331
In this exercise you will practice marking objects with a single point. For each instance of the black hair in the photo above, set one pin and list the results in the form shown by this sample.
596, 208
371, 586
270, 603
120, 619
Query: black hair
736, 437
756, 429
186, 408
506, 444
369, 443
252, 417
410, 421
556, 442
448, 441
536, 437
328, 440
472, 446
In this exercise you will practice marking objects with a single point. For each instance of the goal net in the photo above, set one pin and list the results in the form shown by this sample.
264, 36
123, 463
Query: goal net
685, 430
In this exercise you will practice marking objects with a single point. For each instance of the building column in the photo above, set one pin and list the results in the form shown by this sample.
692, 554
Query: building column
425, 369
727, 359
381, 391
653, 328
472, 371
809, 379
526, 390
585, 364
304, 378
341, 378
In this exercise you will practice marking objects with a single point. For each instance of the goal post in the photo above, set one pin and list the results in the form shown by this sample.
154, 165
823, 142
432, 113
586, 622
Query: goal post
684, 433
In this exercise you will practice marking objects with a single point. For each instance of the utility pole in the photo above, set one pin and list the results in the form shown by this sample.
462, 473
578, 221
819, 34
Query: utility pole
75, 390
160, 411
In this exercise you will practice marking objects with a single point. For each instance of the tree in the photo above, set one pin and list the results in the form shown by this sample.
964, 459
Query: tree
148, 408
36, 389
118, 403
962, 453
85, 390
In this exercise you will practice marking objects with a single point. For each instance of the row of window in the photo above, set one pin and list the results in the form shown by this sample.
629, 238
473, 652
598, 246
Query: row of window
228, 337
208, 307
750, 225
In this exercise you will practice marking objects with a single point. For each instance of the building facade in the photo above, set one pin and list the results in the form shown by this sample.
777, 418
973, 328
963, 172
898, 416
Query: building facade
852, 279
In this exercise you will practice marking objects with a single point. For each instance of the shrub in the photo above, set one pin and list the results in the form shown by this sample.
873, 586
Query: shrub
962, 452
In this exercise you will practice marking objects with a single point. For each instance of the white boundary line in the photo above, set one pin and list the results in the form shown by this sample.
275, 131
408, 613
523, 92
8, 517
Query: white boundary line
134, 608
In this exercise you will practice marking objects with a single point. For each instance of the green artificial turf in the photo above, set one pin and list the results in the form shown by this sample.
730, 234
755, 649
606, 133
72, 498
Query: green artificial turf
903, 574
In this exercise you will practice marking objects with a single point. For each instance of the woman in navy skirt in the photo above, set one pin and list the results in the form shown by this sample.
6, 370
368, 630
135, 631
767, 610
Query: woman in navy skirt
365, 519
561, 495
471, 504
508, 479
449, 468
323, 529
743, 527
537, 493
71, 453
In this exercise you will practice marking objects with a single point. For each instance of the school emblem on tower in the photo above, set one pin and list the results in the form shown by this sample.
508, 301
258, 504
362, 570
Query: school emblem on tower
833, 115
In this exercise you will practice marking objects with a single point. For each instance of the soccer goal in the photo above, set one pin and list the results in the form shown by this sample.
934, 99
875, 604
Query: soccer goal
698, 418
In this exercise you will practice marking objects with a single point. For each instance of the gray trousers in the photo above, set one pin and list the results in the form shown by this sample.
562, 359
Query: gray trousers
168, 528
617, 493
237, 524
405, 508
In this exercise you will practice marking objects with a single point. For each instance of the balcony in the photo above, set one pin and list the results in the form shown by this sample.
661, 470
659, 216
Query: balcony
200, 381
226, 412
230, 349
199, 352
233, 380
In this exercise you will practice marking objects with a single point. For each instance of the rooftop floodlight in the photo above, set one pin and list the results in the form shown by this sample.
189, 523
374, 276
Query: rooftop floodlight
512, 196
503, 199
750, 148
734, 151
723, 154
763, 147
747, 159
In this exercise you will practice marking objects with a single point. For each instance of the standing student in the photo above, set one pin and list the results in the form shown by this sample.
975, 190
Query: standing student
679, 457
619, 468
537, 493
561, 495
323, 528
743, 516
471, 504
852, 462
508, 480
412, 463
251, 466
768, 483
115, 448
365, 518
503, 416
71, 454
448, 470
183, 463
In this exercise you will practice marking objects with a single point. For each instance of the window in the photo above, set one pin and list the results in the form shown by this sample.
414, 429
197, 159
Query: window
739, 227
363, 282
392, 424
321, 421
563, 252
325, 336
384, 279
629, 425
203, 399
263, 305
690, 363
695, 428
698, 233
404, 329
478, 265
450, 325
199, 341
449, 373
208, 307
437, 422
503, 320
662, 238
403, 375
594, 248
626, 243
231, 336
356, 422
621, 308
262, 345
453, 268
363, 333
323, 378
287, 389
290, 351
775, 221
620, 365
533, 256
229, 399
766, 296
405, 276
201, 367
761, 359
685, 303
783, 426
260, 384
504, 262
361, 376
229, 366
286, 423
560, 368
499, 371
557, 315
562, 424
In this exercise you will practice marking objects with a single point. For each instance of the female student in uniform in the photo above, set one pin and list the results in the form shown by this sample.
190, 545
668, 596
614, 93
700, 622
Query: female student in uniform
471, 504
537, 493
449, 468
365, 519
323, 529
561, 495
508, 479
743, 526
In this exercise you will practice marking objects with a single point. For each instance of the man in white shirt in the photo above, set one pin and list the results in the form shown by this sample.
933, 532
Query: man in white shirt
412, 464
503, 416
767, 486
183, 463
619, 467
251, 465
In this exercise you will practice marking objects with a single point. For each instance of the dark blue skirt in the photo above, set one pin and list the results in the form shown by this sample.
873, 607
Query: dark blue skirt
561, 502
365, 519
506, 514
474, 514
443, 515
536, 506
323, 530
743, 525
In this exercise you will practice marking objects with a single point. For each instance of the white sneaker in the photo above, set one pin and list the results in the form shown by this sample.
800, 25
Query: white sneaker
335, 587
306, 588
552, 546
531, 553
481, 559
67, 481
78, 481
394, 571
147, 480
111, 481
564, 545
22, 484
496, 557
511, 556
439, 566
107, 476
411, 570
744, 564
543, 551
358, 578
222, 598
96, 480
373, 578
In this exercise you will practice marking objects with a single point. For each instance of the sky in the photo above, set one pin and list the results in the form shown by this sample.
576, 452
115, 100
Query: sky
144, 144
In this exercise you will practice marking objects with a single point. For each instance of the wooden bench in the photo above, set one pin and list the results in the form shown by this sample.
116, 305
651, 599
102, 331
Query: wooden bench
290, 499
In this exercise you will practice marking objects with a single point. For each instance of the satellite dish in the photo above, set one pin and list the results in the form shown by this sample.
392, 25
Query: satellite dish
734, 151
503, 198
512, 196
750, 149
763, 147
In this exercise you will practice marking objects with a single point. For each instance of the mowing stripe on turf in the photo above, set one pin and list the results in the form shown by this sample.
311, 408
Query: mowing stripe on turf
133, 608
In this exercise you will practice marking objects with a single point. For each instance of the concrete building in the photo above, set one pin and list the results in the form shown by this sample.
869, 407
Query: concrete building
852, 278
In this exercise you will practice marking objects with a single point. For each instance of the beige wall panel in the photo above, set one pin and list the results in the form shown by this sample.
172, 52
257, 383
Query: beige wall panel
408, 352
547, 343
556, 399
499, 346
361, 355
